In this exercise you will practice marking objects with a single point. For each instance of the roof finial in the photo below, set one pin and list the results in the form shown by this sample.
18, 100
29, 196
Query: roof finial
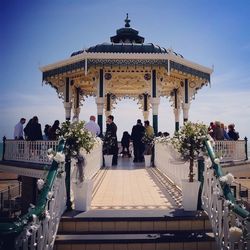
127, 21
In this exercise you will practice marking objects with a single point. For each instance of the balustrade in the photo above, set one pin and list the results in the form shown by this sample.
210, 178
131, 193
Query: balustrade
29, 151
229, 220
169, 162
230, 150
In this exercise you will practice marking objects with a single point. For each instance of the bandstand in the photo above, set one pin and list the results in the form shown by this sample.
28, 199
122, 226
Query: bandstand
131, 205
127, 67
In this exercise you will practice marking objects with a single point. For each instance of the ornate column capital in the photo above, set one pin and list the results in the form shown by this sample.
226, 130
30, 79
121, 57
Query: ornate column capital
100, 105
155, 101
145, 115
67, 107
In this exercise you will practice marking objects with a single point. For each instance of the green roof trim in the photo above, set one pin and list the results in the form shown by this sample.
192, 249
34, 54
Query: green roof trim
188, 70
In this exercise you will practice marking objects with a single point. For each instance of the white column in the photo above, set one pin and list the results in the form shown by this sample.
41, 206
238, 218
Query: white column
145, 115
185, 108
67, 107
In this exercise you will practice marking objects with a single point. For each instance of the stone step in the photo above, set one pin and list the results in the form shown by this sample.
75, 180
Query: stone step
166, 241
134, 221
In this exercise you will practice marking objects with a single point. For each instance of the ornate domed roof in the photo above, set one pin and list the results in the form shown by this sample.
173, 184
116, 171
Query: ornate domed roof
127, 34
126, 40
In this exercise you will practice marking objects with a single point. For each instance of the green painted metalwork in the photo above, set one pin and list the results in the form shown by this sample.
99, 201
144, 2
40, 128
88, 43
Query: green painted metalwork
10, 230
177, 126
188, 70
186, 91
154, 83
201, 167
67, 182
155, 124
67, 90
100, 121
63, 69
226, 188
101, 83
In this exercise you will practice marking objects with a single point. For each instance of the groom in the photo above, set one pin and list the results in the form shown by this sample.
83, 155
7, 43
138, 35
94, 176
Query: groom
112, 129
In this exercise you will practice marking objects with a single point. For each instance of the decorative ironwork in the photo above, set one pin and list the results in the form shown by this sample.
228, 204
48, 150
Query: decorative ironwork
127, 62
188, 70
147, 76
108, 76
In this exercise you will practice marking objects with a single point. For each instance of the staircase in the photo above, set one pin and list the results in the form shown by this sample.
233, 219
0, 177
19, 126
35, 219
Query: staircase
144, 229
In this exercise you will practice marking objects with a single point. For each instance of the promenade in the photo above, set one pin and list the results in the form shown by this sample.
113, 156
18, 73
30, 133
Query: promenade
132, 186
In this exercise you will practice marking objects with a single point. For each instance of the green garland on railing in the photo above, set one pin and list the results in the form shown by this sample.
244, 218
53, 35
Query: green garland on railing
10, 230
226, 188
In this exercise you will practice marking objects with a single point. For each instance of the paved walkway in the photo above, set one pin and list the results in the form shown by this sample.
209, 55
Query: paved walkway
131, 186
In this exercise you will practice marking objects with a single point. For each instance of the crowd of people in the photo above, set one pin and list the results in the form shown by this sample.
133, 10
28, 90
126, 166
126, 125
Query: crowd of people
33, 131
219, 131
137, 137
140, 135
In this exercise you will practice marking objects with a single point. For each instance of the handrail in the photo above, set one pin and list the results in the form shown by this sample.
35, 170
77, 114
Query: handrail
230, 222
10, 230
226, 188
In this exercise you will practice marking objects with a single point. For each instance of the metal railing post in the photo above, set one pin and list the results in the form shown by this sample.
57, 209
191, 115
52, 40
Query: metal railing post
201, 168
246, 152
67, 182
4, 141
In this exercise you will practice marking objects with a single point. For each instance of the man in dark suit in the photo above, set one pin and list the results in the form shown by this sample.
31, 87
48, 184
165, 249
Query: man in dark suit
111, 132
138, 132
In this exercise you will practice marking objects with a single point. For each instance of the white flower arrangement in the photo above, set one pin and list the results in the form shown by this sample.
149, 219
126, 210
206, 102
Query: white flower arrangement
50, 195
227, 179
40, 184
217, 161
56, 156
189, 142
235, 234
76, 136
59, 157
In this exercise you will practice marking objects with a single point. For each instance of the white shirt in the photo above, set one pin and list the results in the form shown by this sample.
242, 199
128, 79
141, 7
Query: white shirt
93, 127
18, 131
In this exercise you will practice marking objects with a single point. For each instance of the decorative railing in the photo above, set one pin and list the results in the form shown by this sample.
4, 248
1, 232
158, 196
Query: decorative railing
231, 150
9, 199
28, 151
169, 162
230, 221
37, 229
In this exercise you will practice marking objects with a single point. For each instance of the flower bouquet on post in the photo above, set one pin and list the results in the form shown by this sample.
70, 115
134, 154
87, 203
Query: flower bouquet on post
109, 142
77, 137
189, 142
148, 142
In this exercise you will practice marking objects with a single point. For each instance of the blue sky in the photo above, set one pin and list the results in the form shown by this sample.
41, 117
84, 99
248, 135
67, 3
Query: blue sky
208, 32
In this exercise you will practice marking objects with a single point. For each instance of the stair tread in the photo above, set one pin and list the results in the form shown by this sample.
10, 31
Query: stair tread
97, 215
154, 237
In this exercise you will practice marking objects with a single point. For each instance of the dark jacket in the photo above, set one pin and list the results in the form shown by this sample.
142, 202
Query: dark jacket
35, 132
138, 132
